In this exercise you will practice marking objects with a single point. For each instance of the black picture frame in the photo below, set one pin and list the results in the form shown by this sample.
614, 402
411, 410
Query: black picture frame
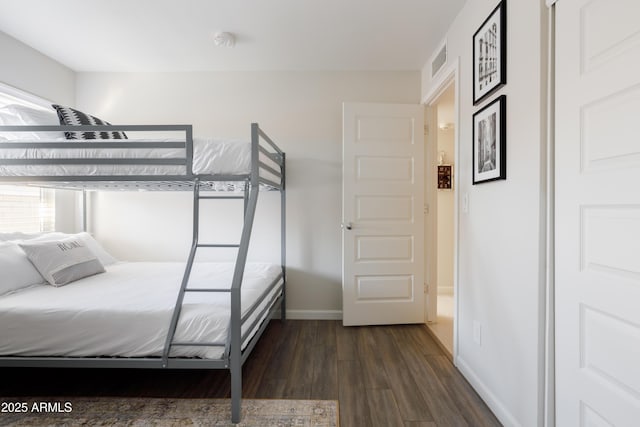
490, 54
489, 157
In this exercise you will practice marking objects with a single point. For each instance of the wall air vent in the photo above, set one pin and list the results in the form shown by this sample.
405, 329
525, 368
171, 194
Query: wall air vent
439, 60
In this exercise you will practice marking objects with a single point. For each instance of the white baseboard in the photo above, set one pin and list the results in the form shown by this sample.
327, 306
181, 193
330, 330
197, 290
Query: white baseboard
500, 411
311, 314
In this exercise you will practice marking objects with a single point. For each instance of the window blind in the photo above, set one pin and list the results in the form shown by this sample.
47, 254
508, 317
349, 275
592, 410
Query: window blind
26, 209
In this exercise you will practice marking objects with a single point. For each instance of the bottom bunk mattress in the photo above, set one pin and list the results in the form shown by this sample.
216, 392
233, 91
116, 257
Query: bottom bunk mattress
126, 311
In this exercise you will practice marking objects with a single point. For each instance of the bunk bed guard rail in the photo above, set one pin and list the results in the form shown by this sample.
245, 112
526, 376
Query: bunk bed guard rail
267, 159
185, 160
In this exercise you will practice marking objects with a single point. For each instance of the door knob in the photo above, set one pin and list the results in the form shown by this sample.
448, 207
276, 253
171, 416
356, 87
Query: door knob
348, 225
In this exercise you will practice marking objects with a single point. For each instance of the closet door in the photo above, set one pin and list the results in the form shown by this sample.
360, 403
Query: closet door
597, 213
383, 219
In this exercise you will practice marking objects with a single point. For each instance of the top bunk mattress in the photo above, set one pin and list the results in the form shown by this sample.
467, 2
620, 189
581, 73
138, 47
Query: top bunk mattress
210, 157
126, 311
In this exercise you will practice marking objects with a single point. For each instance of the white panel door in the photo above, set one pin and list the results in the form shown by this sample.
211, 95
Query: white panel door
598, 213
383, 220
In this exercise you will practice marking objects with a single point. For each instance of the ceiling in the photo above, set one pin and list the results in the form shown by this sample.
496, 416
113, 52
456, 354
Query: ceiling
172, 35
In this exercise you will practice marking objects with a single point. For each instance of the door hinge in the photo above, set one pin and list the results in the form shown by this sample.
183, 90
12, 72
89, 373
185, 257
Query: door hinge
426, 288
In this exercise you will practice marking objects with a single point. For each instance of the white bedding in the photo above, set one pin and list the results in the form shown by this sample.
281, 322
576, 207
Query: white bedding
210, 156
127, 310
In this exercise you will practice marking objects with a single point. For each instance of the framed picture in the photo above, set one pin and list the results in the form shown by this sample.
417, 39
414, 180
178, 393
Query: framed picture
489, 142
490, 54
444, 177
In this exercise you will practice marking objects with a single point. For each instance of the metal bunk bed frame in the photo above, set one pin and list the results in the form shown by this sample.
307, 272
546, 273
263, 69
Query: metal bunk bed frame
234, 356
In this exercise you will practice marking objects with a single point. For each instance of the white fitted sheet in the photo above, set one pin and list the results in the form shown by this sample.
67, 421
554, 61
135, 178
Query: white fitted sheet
210, 156
127, 310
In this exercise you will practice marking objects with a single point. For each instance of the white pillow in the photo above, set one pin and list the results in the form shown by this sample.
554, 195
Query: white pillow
105, 257
14, 114
62, 261
17, 270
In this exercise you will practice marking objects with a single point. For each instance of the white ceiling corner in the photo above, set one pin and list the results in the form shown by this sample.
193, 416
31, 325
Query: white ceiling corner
169, 35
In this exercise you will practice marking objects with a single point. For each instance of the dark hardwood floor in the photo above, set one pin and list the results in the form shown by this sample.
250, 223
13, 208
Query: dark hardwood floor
381, 375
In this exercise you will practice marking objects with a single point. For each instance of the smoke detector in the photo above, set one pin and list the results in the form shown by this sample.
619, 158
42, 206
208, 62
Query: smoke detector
224, 39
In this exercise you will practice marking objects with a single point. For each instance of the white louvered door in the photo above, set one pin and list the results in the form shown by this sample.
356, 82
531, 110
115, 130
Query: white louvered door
383, 220
597, 213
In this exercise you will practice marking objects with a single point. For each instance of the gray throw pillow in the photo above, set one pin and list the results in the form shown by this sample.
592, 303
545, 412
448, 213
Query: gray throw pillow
62, 261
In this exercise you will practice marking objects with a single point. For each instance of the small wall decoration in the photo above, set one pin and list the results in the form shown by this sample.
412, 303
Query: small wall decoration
489, 142
490, 54
444, 177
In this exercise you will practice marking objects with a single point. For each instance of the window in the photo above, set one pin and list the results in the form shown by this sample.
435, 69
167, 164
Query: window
26, 209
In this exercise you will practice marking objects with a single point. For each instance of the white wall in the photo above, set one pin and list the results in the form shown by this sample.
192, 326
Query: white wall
25, 68
445, 217
301, 111
29, 70
500, 261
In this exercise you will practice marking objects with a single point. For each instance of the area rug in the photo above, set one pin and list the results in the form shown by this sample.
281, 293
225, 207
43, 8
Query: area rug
111, 411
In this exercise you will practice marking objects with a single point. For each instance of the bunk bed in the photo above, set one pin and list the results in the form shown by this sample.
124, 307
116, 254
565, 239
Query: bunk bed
164, 164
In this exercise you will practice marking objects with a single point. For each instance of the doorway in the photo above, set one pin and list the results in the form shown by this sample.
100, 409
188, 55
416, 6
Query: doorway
442, 200
442, 164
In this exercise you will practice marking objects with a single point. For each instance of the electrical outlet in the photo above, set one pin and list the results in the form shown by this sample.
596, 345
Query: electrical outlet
465, 203
477, 332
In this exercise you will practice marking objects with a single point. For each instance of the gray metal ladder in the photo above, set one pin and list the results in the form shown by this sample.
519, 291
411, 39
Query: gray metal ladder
169, 343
